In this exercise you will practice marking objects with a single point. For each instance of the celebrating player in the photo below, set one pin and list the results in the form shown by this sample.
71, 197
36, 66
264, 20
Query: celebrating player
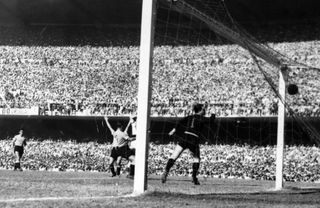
120, 149
19, 141
133, 123
187, 133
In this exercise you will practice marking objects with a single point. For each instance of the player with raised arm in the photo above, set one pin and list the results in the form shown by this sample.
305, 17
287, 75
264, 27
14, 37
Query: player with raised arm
187, 133
19, 142
133, 123
120, 148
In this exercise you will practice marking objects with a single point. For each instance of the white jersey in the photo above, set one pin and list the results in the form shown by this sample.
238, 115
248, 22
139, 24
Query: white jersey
120, 138
19, 140
133, 144
134, 128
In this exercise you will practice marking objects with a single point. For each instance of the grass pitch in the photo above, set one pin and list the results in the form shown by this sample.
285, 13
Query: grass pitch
86, 189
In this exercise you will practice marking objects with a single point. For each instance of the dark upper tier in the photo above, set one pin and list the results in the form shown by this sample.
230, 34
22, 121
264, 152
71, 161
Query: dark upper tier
126, 12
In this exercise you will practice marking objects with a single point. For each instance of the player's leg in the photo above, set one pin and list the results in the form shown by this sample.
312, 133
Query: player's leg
111, 166
118, 164
17, 160
18, 152
132, 166
174, 156
20, 158
131, 157
113, 158
195, 152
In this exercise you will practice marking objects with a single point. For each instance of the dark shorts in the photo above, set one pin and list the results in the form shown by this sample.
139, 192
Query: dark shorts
190, 142
18, 149
123, 151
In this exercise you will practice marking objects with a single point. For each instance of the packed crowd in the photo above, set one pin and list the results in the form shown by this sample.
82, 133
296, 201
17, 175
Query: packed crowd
97, 80
219, 161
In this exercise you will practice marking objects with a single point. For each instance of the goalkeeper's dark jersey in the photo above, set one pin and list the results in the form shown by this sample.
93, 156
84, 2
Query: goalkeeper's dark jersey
192, 124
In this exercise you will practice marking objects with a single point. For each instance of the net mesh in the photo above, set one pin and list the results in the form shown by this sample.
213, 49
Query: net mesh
239, 79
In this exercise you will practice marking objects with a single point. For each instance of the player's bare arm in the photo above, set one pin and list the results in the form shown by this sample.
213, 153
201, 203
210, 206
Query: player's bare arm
108, 124
127, 127
14, 141
172, 132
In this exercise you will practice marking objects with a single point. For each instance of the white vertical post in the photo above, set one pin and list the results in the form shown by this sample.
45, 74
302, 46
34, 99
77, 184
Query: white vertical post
280, 131
144, 95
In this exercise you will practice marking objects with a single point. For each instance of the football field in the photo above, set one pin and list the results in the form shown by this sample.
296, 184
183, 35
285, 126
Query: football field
86, 189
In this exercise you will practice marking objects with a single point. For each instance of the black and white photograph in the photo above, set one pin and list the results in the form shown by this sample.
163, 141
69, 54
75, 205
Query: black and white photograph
160, 103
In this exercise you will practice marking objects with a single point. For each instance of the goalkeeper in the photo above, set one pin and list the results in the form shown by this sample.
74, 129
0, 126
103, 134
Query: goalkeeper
187, 133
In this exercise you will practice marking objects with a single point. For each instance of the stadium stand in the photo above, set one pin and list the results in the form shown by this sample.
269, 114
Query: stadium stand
218, 161
88, 71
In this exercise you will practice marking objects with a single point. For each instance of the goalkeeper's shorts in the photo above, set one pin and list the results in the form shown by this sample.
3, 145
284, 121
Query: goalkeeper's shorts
191, 142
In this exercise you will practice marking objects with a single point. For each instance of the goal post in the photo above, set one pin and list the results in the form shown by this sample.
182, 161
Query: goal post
145, 84
281, 126
144, 95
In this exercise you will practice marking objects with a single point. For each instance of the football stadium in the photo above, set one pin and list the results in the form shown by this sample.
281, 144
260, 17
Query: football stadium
159, 103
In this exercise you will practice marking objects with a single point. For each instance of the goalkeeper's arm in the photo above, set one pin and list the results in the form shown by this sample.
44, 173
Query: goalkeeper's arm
172, 132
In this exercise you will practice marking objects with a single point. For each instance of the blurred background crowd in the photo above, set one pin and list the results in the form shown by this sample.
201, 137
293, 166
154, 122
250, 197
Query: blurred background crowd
67, 71
219, 161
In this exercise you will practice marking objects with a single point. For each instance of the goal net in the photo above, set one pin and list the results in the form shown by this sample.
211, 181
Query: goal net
203, 35
204, 55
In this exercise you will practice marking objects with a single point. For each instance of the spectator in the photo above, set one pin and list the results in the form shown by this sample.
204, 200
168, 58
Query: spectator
103, 80
218, 161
